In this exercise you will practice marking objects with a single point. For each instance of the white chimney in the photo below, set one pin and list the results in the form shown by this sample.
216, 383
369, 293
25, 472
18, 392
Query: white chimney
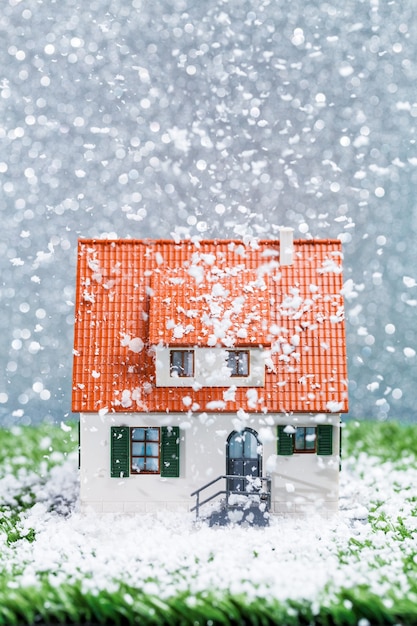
286, 243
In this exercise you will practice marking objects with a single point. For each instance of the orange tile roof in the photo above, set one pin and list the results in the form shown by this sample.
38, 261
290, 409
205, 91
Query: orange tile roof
133, 294
201, 307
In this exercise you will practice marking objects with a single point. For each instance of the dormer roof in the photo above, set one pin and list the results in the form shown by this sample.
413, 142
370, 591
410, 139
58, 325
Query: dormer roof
134, 295
209, 306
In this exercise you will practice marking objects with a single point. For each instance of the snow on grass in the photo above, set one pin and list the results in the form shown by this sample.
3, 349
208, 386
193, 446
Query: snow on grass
371, 544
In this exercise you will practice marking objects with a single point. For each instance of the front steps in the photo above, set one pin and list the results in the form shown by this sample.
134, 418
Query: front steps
241, 515
249, 507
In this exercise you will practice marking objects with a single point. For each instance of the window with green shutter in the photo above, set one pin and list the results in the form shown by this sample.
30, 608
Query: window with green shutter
119, 451
170, 452
325, 439
285, 442
145, 450
306, 439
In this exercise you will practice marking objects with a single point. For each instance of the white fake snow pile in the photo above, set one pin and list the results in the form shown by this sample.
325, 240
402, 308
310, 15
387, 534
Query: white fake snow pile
167, 553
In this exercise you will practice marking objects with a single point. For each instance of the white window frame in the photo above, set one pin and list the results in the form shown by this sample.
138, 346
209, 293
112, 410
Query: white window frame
210, 368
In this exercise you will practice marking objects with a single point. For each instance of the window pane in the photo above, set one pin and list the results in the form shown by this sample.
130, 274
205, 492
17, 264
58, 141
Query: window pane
138, 434
152, 465
243, 446
243, 361
182, 363
231, 362
188, 363
305, 439
176, 359
152, 434
238, 362
152, 449
138, 449
251, 446
300, 438
310, 438
236, 447
145, 450
138, 464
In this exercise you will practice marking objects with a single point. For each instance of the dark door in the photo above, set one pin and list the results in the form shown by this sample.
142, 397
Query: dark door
243, 458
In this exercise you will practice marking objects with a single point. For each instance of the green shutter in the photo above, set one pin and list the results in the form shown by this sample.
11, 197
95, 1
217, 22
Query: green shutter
120, 451
170, 452
285, 442
325, 439
340, 446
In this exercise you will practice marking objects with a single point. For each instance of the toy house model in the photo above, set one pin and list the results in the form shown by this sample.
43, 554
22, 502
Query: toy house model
210, 371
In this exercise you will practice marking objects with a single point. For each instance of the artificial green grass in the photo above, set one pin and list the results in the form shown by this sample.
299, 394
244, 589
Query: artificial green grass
389, 441
67, 604
30, 453
36, 448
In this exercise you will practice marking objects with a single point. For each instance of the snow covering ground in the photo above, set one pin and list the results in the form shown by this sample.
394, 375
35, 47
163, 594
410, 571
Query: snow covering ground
168, 553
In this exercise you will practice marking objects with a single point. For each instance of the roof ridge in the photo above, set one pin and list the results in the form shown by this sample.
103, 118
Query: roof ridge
216, 241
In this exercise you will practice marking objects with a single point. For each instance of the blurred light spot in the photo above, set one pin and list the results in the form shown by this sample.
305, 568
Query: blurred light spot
397, 393
34, 347
37, 387
298, 38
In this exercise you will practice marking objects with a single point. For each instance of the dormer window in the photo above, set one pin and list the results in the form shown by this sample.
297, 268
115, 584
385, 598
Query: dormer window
238, 362
182, 363
201, 366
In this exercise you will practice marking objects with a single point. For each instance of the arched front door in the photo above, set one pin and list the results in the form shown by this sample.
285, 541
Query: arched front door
243, 458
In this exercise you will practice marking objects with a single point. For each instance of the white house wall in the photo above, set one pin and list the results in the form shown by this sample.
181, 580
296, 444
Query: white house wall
301, 483
210, 369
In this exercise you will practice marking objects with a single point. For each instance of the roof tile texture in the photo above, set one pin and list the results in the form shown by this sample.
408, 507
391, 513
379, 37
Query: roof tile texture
134, 294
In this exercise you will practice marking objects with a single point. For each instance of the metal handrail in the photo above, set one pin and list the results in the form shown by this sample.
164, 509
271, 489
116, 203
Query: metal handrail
208, 485
200, 504
228, 492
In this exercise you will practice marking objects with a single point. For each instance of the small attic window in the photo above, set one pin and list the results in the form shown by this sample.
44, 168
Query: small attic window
238, 362
182, 363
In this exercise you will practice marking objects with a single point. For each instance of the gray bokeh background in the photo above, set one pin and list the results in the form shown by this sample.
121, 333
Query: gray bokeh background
207, 119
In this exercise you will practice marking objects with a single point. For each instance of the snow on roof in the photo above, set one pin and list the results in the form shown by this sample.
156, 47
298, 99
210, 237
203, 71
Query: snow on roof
135, 294
203, 306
